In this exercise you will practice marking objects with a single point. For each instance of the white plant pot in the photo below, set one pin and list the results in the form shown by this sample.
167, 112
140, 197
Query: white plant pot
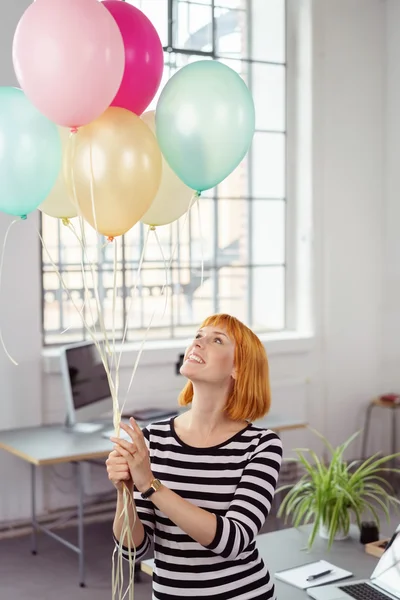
324, 533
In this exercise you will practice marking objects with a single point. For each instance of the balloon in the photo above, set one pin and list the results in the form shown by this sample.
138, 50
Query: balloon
144, 57
30, 154
205, 122
59, 203
173, 197
113, 171
69, 59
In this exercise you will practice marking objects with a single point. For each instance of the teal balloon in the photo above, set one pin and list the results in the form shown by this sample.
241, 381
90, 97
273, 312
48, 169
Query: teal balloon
205, 121
30, 154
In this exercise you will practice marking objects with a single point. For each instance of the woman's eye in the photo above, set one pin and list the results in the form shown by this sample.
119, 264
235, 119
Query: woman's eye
218, 340
198, 336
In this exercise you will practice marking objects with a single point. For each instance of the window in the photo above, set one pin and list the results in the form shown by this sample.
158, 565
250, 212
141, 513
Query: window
238, 234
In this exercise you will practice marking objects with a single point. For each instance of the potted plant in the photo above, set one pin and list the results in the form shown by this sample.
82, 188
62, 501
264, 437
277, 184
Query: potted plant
328, 493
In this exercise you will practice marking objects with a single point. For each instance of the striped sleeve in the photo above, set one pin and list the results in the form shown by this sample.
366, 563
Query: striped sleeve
145, 512
252, 500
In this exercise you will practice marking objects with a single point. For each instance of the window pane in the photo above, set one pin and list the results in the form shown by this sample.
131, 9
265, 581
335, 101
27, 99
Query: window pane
268, 30
268, 176
193, 298
157, 12
232, 232
268, 297
268, 88
268, 232
193, 26
232, 291
231, 33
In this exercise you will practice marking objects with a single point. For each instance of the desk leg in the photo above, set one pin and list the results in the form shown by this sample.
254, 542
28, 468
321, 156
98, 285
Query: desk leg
33, 510
81, 493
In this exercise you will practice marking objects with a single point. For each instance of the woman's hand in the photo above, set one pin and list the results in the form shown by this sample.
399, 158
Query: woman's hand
136, 455
118, 471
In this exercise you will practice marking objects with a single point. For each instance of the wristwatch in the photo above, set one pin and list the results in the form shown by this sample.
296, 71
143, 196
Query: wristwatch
154, 486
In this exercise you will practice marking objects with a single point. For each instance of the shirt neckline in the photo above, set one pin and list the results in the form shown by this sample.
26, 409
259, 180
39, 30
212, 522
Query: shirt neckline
197, 448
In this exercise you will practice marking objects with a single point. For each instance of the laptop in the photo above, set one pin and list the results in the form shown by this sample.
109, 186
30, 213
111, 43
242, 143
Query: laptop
384, 583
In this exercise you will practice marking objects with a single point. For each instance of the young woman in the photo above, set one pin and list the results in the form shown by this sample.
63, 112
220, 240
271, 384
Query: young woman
204, 481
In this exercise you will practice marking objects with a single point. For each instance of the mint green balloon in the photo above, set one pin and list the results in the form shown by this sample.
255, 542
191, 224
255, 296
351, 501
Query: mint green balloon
30, 154
205, 122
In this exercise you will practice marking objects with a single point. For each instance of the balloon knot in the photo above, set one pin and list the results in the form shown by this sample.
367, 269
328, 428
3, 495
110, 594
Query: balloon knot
152, 227
65, 221
74, 130
24, 217
110, 238
198, 194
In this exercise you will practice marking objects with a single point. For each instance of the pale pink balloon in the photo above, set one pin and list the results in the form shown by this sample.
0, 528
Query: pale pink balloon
69, 59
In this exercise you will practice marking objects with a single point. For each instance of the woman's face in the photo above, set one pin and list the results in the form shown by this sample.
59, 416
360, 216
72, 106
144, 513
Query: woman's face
210, 357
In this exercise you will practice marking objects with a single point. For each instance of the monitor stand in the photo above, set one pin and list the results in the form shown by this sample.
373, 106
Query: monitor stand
86, 427
83, 426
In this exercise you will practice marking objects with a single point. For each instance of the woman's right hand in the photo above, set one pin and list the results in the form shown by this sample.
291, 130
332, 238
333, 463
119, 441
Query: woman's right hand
118, 471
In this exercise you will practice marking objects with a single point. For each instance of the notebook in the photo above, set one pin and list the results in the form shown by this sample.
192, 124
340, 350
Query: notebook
297, 576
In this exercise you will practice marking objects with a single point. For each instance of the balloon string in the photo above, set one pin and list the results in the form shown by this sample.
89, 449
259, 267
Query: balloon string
84, 279
133, 294
201, 250
92, 188
126, 532
1, 278
83, 236
114, 304
195, 196
93, 205
166, 270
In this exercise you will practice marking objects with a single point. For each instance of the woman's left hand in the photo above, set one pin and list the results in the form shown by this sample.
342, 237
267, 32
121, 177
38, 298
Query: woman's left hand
136, 455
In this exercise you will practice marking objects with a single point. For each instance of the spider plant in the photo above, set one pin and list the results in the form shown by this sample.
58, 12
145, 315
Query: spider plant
329, 492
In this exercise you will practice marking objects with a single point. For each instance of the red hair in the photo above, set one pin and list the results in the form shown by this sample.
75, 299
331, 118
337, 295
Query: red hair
250, 396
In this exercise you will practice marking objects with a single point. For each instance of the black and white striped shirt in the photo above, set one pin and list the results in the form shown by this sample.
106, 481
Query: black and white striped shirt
236, 481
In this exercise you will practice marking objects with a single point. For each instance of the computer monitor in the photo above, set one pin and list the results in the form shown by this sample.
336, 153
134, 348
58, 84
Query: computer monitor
86, 387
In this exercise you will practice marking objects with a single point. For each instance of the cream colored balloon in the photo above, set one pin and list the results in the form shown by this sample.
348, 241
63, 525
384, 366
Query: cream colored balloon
113, 170
59, 203
173, 197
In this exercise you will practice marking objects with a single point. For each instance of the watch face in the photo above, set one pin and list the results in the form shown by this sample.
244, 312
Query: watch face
156, 484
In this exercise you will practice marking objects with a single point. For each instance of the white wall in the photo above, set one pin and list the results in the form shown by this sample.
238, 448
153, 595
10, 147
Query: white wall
20, 310
391, 275
349, 121
355, 235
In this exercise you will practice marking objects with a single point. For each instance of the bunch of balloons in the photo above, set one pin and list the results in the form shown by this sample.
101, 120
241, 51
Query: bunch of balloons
74, 140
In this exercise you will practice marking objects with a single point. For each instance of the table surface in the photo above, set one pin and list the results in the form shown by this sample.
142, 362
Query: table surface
287, 548
55, 444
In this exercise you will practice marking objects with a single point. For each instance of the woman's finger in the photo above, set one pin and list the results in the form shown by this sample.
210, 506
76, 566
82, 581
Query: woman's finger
128, 430
123, 444
138, 436
125, 453
116, 461
118, 469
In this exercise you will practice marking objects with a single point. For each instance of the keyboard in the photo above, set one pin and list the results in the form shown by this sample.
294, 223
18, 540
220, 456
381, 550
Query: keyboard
363, 591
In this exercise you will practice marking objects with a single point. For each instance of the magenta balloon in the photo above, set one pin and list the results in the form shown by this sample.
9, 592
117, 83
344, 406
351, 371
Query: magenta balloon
69, 59
144, 58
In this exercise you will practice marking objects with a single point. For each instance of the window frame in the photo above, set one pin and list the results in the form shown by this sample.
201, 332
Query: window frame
291, 267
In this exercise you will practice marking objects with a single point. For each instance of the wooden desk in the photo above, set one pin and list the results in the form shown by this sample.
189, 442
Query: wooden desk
52, 445
286, 548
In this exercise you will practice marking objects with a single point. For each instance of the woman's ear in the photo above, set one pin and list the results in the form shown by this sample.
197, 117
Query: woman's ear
233, 374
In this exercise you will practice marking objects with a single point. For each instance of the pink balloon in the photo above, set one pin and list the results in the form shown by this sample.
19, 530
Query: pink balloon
144, 58
69, 59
